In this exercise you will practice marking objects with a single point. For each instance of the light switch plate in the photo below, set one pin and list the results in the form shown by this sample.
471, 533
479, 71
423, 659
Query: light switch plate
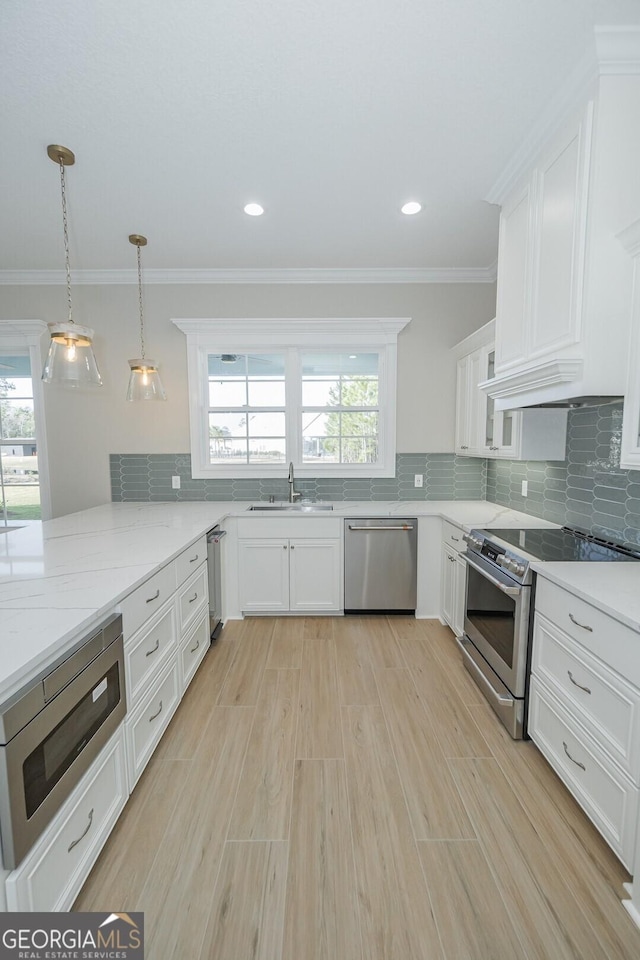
524, 488
418, 480
175, 483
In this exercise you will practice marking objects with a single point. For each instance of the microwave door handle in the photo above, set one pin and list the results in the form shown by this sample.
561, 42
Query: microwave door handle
510, 591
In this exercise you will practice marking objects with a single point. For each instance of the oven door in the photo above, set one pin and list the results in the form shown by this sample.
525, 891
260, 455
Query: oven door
42, 764
496, 620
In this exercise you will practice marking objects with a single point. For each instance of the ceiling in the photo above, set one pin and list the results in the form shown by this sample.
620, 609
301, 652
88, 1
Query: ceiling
330, 113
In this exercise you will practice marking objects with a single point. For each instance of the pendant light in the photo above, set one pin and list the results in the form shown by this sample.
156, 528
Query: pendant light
70, 360
144, 379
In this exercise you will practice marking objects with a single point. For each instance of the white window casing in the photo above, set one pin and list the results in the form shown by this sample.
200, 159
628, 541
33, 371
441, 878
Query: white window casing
291, 337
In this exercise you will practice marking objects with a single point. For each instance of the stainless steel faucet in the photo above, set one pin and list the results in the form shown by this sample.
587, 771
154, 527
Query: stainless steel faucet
293, 494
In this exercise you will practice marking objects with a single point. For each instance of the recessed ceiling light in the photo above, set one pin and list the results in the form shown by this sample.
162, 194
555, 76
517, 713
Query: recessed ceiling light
254, 209
411, 207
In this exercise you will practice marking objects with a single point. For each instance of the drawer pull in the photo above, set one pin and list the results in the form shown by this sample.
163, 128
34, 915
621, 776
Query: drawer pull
576, 684
451, 559
154, 597
193, 649
193, 559
194, 597
584, 626
153, 649
157, 714
74, 843
455, 538
577, 762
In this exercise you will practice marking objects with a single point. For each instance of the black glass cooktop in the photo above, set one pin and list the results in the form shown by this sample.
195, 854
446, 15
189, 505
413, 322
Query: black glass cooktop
565, 544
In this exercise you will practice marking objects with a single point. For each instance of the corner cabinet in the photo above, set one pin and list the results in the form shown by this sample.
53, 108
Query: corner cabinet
630, 449
290, 565
562, 317
484, 431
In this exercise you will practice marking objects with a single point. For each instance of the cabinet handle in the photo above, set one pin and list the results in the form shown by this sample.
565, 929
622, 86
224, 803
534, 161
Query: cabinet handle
193, 649
463, 446
455, 538
584, 626
451, 559
74, 843
156, 714
494, 448
154, 597
284, 546
153, 649
576, 684
577, 762
194, 597
292, 547
193, 559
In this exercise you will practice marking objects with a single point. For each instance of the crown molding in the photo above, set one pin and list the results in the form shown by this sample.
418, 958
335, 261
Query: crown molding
237, 332
248, 276
616, 52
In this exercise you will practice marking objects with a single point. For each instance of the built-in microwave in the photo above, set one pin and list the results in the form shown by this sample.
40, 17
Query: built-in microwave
52, 730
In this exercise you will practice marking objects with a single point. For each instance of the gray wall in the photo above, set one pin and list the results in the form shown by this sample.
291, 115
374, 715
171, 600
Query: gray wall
82, 430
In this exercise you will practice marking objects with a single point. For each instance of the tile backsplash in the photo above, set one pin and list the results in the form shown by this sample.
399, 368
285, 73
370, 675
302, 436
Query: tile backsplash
588, 489
446, 477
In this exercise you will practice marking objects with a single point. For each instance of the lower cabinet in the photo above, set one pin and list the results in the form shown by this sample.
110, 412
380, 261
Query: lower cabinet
298, 575
453, 579
584, 710
52, 873
148, 721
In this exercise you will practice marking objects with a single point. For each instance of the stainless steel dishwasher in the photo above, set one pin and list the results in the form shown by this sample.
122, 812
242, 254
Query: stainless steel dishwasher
215, 581
380, 565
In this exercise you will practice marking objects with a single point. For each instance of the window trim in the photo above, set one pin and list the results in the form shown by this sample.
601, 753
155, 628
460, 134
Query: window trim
233, 335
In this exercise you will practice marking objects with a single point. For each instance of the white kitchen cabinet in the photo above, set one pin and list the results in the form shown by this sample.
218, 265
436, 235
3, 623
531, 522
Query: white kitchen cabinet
453, 578
289, 575
584, 710
630, 449
482, 430
562, 317
52, 873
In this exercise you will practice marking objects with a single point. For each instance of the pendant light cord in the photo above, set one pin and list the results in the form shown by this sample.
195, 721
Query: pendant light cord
142, 356
63, 192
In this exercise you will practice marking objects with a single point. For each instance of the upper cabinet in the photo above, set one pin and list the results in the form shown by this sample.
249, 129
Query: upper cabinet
564, 281
484, 431
630, 449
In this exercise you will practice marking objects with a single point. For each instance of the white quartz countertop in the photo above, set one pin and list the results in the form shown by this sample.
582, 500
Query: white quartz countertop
59, 578
612, 587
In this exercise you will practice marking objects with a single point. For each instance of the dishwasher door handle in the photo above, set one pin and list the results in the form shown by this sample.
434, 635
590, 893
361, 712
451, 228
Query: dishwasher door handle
404, 526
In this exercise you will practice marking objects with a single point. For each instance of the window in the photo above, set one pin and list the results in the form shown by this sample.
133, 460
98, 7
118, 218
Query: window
319, 393
22, 461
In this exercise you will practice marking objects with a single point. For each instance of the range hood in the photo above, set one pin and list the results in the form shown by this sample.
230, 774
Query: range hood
548, 383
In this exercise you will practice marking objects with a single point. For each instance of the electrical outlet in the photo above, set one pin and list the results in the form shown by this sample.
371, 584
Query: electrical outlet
418, 480
175, 483
524, 489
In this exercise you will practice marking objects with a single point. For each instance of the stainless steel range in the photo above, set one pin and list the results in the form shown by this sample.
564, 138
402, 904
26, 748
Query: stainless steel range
499, 606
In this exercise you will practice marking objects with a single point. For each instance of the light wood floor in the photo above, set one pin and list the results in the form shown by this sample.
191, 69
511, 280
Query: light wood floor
335, 789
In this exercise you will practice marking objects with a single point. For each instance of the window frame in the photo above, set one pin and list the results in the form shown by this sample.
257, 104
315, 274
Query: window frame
293, 337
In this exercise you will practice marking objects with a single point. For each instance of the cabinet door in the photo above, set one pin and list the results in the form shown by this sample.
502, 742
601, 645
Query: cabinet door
448, 576
459, 592
315, 574
561, 190
514, 271
463, 380
263, 574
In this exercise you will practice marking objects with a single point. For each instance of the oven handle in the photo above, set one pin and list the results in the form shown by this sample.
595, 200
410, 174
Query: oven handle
510, 591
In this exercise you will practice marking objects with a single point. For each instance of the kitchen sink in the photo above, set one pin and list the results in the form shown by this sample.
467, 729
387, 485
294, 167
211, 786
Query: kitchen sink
297, 507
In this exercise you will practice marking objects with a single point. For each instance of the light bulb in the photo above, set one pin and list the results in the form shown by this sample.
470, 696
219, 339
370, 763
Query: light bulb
145, 377
71, 351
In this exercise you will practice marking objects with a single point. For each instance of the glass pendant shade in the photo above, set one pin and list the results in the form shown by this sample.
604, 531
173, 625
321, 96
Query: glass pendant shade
71, 361
144, 381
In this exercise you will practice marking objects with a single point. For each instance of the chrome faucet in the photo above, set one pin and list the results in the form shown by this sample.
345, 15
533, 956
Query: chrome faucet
293, 494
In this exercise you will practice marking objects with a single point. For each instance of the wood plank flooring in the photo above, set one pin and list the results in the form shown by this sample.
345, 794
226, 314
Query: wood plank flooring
336, 789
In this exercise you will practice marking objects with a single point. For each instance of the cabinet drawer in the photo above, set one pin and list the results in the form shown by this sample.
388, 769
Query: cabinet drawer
607, 638
190, 559
147, 599
50, 877
452, 536
602, 699
191, 599
193, 650
603, 792
149, 650
288, 526
148, 722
